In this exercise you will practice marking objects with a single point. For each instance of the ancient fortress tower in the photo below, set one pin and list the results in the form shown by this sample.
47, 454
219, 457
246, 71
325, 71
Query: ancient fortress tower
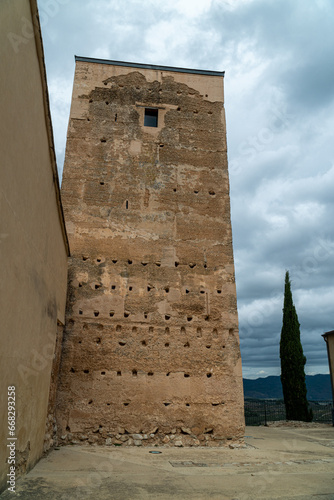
151, 348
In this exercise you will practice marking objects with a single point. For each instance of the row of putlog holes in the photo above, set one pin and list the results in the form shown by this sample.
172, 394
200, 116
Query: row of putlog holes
149, 288
96, 313
165, 403
144, 343
135, 373
196, 191
192, 265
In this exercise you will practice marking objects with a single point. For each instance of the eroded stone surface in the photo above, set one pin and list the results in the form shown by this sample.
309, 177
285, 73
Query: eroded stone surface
151, 344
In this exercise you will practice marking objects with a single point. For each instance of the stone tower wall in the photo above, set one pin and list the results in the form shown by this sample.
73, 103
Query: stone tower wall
151, 349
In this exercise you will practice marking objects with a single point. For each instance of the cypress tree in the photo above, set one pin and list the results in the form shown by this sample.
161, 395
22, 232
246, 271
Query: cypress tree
292, 361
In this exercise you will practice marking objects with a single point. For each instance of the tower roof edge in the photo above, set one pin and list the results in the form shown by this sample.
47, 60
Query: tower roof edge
150, 66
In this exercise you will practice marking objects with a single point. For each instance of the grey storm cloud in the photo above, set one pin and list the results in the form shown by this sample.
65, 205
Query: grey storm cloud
279, 98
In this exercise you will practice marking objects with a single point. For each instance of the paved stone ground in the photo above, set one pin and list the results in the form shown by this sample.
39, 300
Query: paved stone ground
290, 463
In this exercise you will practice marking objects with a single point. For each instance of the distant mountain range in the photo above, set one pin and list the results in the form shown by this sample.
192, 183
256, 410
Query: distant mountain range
318, 387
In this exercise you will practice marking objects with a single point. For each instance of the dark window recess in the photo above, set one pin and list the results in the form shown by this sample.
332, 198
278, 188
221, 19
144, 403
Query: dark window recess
151, 117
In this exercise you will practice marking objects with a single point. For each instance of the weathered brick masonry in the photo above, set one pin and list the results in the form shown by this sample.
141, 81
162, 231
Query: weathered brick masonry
151, 348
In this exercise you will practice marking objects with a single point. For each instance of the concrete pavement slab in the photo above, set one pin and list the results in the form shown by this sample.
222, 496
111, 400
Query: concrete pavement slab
276, 463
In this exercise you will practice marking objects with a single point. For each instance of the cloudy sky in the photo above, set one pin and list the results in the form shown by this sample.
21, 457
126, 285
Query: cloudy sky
279, 90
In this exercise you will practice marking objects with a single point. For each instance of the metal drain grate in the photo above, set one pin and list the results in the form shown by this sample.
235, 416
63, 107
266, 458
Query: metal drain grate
192, 464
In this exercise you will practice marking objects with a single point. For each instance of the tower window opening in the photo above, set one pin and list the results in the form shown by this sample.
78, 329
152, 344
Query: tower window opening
151, 117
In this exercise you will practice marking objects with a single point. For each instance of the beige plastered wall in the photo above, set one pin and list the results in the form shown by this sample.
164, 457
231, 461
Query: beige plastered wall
33, 242
330, 351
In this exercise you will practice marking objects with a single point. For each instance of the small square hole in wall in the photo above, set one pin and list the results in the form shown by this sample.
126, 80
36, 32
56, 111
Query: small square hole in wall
151, 117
